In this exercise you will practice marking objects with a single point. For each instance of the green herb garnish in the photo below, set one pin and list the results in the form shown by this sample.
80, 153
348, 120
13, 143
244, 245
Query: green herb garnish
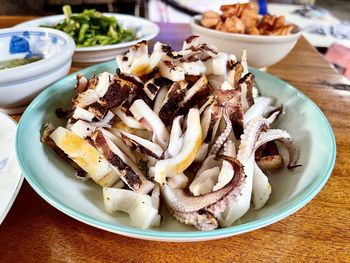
91, 28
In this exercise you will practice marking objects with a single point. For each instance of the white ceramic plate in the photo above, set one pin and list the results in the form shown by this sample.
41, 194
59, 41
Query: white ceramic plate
54, 180
145, 30
10, 173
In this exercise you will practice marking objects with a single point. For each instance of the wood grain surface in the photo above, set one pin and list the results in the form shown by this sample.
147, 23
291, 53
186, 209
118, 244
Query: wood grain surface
34, 231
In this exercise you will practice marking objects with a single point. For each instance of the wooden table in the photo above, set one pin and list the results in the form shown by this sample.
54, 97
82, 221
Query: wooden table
35, 231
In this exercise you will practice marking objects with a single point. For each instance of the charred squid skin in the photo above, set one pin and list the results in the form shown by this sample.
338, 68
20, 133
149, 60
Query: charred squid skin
167, 49
170, 105
191, 79
230, 99
84, 95
191, 41
235, 112
83, 84
137, 82
152, 86
245, 85
126, 172
118, 92
234, 72
196, 95
141, 144
64, 114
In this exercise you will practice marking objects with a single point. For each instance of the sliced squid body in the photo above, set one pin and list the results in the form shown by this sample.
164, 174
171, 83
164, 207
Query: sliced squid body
119, 143
259, 108
145, 146
261, 188
191, 144
176, 138
195, 95
127, 120
246, 155
205, 182
155, 197
153, 85
105, 121
158, 102
239, 206
219, 64
138, 206
194, 68
170, 104
86, 98
171, 71
210, 121
244, 62
212, 175
81, 85
83, 129
226, 172
198, 105
178, 181
104, 80
136, 61
85, 155
121, 164
202, 152
192, 41
82, 114
234, 71
144, 114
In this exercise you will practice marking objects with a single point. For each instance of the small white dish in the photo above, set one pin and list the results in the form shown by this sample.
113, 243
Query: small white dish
19, 85
10, 173
145, 30
263, 51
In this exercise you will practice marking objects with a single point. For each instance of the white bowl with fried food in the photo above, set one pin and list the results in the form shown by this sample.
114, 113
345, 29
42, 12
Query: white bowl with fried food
263, 50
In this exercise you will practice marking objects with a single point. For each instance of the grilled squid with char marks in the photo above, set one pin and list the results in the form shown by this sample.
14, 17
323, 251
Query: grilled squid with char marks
187, 127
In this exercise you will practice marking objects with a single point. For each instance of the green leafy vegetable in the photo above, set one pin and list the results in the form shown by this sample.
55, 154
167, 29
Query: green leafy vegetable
91, 28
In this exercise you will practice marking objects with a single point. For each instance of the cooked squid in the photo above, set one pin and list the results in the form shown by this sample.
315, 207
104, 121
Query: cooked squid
186, 127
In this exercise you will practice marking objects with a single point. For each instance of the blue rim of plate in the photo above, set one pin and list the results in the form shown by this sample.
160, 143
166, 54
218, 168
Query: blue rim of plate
294, 205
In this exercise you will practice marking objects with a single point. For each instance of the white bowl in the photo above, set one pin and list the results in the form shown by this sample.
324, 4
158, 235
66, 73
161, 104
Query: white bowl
19, 85
263, 51
145, 30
